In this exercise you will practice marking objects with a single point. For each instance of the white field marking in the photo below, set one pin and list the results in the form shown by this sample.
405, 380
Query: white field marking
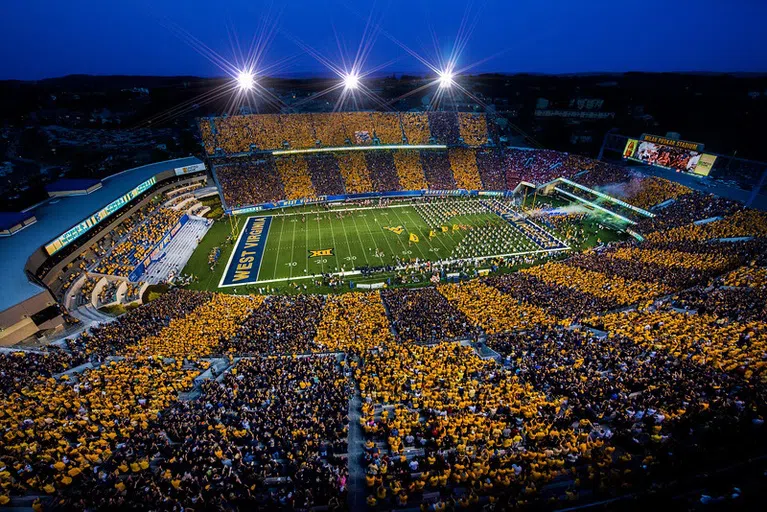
265, 212
234, 249
267, 281
402, 267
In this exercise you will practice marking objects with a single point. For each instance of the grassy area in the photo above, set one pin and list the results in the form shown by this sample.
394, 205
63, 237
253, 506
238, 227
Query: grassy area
357, 239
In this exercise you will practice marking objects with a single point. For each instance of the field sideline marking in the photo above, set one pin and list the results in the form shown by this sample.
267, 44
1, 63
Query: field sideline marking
401, 267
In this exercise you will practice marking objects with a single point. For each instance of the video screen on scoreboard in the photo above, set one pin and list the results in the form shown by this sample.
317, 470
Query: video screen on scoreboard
679, 159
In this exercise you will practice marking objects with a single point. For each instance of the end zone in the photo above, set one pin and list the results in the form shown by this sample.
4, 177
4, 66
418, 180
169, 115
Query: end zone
245, 261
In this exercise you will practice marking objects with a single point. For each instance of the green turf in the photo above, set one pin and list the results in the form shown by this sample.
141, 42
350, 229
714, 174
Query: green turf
353, 237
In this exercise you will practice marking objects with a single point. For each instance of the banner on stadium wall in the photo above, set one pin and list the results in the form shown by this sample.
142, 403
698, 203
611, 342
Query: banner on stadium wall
705, 164
155, 253
180, 171
630, 149
370, 195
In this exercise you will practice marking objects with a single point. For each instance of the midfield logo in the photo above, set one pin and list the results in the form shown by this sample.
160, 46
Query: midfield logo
320, 252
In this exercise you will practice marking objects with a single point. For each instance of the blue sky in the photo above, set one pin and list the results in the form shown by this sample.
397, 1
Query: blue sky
40, 39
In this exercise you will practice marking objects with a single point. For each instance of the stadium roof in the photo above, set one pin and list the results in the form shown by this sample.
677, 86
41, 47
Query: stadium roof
10, 219
55, 216
68, 185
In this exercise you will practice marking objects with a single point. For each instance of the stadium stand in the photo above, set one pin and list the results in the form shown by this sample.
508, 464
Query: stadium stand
325, 174
473, 128
296, 180
383, 172
245, 183
354, 170
437, 171
387, 127
409, 170
444, 127
463, 162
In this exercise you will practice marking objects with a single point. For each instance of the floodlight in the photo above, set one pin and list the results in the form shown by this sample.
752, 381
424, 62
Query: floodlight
245, 80
351, 81
446, 79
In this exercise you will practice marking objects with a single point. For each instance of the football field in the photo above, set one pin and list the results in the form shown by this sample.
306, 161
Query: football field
271, 249
296, 245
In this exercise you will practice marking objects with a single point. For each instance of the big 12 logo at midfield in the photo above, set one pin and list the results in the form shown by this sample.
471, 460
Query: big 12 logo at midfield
320, 252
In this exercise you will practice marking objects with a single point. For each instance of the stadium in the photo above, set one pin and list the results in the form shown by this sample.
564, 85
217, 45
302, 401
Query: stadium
390, 311
377, 305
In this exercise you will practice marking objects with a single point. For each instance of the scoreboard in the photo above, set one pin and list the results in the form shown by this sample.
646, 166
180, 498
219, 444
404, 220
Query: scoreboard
86, 225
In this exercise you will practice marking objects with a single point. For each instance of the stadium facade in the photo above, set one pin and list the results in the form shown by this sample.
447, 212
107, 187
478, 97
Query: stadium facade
39, 242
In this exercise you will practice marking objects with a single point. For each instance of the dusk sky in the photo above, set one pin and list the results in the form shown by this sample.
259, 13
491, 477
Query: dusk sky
40, 39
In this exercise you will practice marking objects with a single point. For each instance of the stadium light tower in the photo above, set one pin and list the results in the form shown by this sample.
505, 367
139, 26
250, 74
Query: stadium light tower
246, 80
446, 78
351, 81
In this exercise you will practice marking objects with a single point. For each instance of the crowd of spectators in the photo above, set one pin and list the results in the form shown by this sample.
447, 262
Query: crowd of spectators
409, 170
281, 325
134, 326
463, 162
20, 368
325, 174
619, 290
651, 191
437, 171
57, 433
492, 311
688, 208
353, 323
473, 128
127, 254
743, 223
297, 130
425, 316
751, 276
490, 170
557, 300
704, 339
382, 171
416, 127
245, 183
296, 180
444, 127
354, 170
387, 127
236, 446
199, 333
329, 130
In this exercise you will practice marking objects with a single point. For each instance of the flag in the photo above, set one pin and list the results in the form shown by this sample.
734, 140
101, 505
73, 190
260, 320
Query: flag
444, 229
455, 227
432, 234
413, 237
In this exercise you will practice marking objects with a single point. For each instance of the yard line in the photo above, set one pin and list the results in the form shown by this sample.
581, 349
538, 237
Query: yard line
428, 239
279, 246
348, 245
335, 248
292, 245
359, 237
386, 238
319, 233
416, 244
306, 246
